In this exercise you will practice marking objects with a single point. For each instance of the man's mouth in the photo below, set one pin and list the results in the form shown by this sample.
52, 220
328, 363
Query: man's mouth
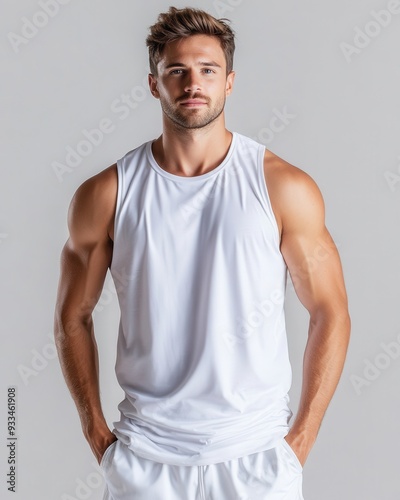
193, 103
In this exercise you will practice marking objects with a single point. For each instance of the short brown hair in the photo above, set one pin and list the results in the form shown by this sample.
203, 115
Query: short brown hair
182, 23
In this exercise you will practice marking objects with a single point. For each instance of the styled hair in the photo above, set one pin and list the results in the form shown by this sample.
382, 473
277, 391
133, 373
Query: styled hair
182, 23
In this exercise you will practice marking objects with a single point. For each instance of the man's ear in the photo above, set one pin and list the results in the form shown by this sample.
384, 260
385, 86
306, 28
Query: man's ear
153, 85
229, 82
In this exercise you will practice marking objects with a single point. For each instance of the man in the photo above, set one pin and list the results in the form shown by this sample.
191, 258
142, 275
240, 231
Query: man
199, 229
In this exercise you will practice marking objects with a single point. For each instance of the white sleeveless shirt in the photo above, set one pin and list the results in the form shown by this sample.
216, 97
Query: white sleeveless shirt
202, 350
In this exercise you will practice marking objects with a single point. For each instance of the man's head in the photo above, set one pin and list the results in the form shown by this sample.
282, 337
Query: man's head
191, 58
183, 23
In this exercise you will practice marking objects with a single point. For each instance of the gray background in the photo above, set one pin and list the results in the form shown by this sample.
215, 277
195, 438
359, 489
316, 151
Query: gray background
344, 132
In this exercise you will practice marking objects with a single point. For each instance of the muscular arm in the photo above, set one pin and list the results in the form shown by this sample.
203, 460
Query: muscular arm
314, 265
85, 259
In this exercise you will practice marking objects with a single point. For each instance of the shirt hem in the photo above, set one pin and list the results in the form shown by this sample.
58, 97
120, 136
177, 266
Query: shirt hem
206, 457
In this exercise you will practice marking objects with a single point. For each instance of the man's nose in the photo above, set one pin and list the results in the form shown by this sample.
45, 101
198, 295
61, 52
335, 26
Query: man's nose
192, 82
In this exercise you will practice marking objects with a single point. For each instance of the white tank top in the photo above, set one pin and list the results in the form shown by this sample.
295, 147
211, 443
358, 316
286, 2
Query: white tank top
202, 350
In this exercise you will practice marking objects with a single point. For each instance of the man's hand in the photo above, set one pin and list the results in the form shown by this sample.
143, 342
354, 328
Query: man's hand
99, 442
301, 445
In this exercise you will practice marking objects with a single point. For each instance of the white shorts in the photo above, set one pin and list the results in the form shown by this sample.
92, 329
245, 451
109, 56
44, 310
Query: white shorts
274, 474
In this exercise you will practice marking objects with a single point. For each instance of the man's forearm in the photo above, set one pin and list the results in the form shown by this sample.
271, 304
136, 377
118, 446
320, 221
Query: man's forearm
77, 351
324, 359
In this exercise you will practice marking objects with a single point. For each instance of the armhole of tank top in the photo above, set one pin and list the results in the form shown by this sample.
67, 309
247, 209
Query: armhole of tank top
264, 190
117, 207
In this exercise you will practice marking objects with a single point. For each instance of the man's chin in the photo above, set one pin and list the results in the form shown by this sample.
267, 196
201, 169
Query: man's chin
192, 124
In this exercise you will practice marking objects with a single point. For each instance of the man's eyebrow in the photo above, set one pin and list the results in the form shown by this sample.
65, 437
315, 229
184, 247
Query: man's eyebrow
200, 63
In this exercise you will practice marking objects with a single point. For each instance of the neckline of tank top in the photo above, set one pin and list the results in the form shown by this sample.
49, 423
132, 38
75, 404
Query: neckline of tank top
196, 178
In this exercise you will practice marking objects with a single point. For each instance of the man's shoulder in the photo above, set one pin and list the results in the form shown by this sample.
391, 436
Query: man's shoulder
291, 189
285, 178
101, 184
106, 180
284, 174
95, 198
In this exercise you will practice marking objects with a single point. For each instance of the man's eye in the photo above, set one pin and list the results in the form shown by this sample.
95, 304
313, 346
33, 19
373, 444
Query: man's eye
208, 71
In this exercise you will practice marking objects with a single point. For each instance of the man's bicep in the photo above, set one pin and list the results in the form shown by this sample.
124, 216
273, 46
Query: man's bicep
315, 269
309, 251
83, 271
85, 258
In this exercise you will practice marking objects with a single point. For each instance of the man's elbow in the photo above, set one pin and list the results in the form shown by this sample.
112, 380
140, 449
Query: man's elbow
334, 317
67, 325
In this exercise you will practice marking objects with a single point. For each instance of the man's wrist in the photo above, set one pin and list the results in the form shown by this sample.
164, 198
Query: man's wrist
94, 424
301, 441
99, 440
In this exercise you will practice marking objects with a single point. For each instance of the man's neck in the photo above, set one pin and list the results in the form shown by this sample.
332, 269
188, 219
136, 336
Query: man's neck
193, 152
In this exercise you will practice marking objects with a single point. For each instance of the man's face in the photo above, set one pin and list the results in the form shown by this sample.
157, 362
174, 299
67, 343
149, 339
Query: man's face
192, 84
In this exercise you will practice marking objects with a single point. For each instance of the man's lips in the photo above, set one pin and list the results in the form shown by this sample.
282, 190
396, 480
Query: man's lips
193, 102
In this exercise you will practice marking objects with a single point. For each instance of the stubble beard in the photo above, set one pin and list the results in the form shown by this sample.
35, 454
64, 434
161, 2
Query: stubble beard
193, 118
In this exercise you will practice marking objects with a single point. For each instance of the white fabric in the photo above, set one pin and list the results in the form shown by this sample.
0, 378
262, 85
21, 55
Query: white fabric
202, 351
274, 474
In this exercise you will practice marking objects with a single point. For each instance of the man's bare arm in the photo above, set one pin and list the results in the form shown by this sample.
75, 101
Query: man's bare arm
85, 259
314, 264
